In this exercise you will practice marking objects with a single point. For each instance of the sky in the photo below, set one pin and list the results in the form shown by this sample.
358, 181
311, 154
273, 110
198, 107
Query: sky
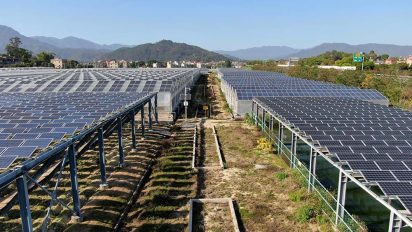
215, 24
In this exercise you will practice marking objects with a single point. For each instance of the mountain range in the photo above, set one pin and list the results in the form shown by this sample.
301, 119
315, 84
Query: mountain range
284, 52
85, 50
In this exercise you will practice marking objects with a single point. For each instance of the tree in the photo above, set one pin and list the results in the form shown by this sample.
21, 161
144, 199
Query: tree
228, 64
43, 59
384, 56
13, 50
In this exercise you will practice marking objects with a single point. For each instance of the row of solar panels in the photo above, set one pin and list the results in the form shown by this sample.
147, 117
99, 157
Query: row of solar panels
133, 80
32, 121
249, 84
372, 139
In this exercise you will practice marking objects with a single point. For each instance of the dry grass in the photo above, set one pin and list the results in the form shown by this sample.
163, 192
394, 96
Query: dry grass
260, 182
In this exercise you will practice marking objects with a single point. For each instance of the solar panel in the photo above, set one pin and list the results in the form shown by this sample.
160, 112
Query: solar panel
21, 152
6, 161
40, 143
396, 188
378, 175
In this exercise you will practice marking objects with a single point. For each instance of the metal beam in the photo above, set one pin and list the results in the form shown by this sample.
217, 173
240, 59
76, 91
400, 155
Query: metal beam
155, 109
73, 179
142, 116
293, 150
270, 128
8, 177
312, 169
133, 126
23, 196
150, 115
102, 158
395, 225
402, 217
120, 141
340, 204
280, 137
263, 120
257, 115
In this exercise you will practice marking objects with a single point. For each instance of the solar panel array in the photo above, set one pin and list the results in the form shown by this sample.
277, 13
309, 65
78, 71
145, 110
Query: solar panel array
94, 80
249, 84
33, 121
372, 139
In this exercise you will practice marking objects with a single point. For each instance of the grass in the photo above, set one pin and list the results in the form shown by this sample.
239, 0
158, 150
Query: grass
268, 193
162, 205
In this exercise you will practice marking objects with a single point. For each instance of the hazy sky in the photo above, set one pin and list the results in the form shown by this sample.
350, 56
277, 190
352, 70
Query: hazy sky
215, 24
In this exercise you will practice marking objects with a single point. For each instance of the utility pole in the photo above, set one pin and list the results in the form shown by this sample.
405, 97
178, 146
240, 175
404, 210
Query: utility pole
363, 59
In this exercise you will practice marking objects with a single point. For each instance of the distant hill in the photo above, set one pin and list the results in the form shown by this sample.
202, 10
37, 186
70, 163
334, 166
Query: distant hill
279, 52
390, 49
164, 50
261, 53
36, 46
74, 42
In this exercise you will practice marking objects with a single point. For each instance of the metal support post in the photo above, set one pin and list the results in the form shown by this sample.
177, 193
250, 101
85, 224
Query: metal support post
340, 205
312, 169
120, 141
263, 120
395, 224
73, 179
257, 115
133, 125
23, 196
155, 109
102, 160
150, 114
270, 129
142, 115
293, 150
280, 137
253, 110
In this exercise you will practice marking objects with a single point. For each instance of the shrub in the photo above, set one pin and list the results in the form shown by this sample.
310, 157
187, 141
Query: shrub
304, 213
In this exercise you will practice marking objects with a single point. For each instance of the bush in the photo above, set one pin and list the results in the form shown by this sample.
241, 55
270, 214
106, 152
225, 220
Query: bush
305, 213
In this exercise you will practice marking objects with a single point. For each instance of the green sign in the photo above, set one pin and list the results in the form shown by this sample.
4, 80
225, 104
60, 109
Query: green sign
357, 57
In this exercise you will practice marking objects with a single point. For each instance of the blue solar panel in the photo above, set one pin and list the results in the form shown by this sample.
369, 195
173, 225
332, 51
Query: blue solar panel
21, 152
25, 136
6, 161
10, 142
53, 135
40, 143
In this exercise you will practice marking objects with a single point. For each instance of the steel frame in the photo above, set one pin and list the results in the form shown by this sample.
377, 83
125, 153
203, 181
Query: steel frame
20, 173
397, 219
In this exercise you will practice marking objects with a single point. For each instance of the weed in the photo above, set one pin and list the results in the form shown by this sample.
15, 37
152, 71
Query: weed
281, 175
305, 213
297, 195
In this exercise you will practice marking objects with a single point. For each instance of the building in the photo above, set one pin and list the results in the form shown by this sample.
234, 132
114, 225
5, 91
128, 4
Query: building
199, 65
123, 64
169, 64
391, 60
59, 63
6, 60
409, 60
112, 64
154, 65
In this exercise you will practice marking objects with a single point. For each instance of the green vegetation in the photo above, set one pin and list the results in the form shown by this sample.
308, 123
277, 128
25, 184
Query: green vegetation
164, 50
388, 82
20, 57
